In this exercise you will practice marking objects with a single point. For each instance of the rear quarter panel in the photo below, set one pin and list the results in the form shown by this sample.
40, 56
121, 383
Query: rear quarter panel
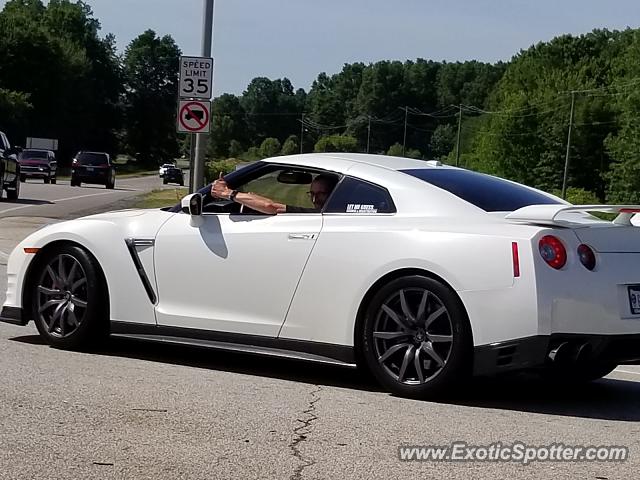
354, 252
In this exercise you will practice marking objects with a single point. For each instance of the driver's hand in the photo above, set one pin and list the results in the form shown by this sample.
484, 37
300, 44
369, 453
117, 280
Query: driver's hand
219, 188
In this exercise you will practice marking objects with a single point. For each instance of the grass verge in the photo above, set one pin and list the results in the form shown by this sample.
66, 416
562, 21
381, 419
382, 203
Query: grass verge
160, 198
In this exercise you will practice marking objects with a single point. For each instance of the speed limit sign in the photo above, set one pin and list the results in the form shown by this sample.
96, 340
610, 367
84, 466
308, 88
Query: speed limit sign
196, 75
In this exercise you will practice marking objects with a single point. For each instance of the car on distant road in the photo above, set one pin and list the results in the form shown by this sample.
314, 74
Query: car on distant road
163, 168
173, 175
421, 273
9, 169
94, 168
36, 163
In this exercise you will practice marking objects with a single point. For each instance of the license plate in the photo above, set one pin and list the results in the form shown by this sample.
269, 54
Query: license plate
634, 299
89, 169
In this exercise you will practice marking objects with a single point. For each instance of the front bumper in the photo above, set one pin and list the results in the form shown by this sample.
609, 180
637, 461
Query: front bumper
534, 352
36, 174
13, 315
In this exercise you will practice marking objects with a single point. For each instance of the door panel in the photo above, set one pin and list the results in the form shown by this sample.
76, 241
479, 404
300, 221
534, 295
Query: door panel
235, 273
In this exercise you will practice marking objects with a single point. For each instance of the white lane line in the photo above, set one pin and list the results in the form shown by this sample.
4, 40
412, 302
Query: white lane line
55, 201
626, 371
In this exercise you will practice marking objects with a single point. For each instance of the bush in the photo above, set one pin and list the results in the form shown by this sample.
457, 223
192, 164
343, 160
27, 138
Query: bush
235, 149
395, 150
225, 166
252, 155
579, 196
290, 146
270, 147
336, 143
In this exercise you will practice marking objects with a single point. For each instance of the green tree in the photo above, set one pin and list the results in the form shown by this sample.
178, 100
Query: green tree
623, 142
70, 74
336, 143
273, 108
228, 123
395, 150
235, 149
14, 107
151, 73
270, 147
443, 140
290, 146
525, 136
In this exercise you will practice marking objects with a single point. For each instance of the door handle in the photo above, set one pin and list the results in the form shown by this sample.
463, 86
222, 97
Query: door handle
302, 236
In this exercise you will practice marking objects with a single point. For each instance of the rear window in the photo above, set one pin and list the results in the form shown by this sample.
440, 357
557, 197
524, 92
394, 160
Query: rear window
89, 158
33, 154
489, 193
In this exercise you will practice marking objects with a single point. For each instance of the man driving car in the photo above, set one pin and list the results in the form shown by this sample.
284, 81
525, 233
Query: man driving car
319, 190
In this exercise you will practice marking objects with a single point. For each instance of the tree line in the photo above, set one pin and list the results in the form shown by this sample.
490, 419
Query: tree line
59, 78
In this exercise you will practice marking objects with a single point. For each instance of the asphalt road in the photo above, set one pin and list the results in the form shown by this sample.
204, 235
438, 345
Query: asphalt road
62, 201
145, 411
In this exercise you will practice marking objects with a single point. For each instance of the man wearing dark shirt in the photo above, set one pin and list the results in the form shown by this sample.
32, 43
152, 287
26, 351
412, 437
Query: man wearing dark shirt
319, 191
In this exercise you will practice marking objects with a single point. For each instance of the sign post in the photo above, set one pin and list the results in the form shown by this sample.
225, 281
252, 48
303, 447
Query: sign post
194, 92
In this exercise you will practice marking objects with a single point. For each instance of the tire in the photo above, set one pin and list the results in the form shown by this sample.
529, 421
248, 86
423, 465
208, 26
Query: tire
69, 298
182, 183
415, 338
165, 181
23, 178
53, 180
47, 180
15, 193
111, 181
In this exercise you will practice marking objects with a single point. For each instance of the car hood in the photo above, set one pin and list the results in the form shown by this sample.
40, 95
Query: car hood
119, 214
94, 229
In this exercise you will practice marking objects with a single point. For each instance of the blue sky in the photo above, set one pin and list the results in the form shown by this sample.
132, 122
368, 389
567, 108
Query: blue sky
298, 39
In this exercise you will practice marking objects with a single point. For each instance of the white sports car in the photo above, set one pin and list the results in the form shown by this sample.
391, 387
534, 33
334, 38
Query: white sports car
418, 272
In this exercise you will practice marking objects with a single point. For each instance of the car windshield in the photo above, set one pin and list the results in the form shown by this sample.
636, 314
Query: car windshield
489, 193
94, 159
33, 154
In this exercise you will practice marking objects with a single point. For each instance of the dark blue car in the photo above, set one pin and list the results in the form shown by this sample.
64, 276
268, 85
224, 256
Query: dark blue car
93, 167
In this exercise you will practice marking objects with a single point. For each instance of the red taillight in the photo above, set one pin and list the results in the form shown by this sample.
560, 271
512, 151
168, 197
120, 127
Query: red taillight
587, 257
552, 251
516, 259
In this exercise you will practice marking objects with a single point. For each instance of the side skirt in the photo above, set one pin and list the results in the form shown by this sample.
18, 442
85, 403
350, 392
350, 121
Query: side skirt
275, 347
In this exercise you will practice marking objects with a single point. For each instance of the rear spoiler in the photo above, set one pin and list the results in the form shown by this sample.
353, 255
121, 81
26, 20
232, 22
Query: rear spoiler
546, 214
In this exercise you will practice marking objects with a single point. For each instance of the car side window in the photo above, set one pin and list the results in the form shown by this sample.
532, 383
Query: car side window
357, 196
269, 186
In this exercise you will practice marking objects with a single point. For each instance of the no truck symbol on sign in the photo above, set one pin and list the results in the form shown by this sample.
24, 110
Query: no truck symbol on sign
193, 116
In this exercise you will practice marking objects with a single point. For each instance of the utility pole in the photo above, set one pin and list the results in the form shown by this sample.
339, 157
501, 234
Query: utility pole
368, 133
301, 131
192, 159
458, 139
566, 158
404, 141
201, 138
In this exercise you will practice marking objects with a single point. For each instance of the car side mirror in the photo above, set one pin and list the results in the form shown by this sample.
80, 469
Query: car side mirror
192, 204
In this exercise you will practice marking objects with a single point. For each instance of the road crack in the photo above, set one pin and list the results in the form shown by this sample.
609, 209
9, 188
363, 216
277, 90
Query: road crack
302, 432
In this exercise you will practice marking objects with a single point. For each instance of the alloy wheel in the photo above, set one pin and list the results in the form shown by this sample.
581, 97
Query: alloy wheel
62, 296
413, 335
